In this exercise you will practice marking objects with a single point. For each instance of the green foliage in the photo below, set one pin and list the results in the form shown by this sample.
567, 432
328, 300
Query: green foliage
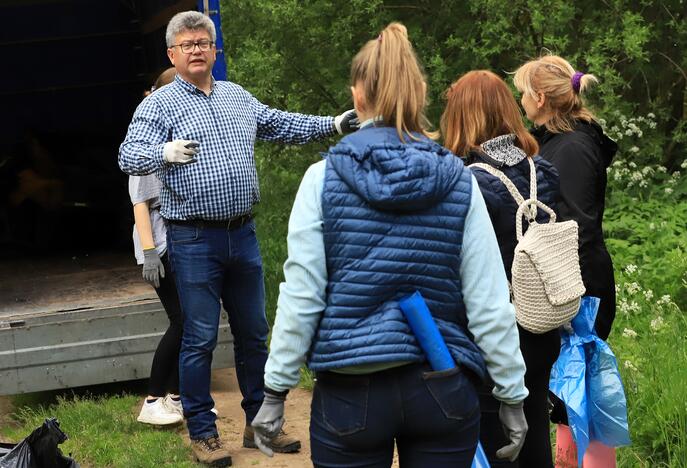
297, 54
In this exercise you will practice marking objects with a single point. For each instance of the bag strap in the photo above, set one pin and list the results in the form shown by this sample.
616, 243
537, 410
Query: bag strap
515, 193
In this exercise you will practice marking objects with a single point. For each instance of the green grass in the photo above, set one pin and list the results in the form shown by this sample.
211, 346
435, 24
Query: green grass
103, 432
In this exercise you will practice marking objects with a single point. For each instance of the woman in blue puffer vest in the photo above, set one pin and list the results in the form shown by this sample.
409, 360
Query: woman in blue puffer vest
482, 122
389, 212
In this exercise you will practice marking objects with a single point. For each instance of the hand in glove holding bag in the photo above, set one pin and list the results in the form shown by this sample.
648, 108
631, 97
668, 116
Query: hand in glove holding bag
180, 151
268, 422
515, 427
347, 122
152, 267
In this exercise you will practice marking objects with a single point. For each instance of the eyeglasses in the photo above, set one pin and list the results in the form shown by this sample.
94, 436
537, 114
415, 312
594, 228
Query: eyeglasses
187, 47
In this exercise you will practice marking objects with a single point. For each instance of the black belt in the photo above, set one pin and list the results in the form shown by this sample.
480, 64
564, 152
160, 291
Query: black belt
228, 224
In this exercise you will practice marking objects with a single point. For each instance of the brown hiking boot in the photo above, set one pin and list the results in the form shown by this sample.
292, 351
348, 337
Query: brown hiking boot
280, 444
211, 452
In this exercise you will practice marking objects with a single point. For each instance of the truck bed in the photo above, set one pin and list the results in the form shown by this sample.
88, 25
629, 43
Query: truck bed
73, 321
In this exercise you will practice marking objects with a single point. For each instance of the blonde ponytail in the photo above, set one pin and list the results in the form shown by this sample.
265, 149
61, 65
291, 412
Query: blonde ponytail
562, 87
393, 82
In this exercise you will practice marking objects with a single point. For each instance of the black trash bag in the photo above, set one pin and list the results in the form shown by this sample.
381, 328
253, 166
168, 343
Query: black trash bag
39, 449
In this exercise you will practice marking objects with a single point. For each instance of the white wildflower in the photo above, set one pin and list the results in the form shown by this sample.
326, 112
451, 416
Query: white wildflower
632, 288
684, 164
676, 175
661, 169
646, 170
652, 227
623, 307
634, 149
636, 176
668, 190
652, 125
630, 268
634, 307
643, 183
632, 164
629, 333
628, 132
648, 294
651, 115
630, 366
657, 323
665, 299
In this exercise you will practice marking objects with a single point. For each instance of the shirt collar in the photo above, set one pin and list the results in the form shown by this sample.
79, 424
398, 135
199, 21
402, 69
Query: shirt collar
371, 122
190, 87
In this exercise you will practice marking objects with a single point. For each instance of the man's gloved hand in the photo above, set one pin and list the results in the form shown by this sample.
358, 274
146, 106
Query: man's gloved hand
152, 267
268, 422
515, 426
180, 151
347, 122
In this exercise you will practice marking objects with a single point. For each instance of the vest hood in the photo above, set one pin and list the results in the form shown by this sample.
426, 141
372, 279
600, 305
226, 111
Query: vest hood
392, 175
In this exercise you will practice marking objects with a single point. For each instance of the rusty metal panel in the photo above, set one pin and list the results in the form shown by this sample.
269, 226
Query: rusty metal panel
87, 347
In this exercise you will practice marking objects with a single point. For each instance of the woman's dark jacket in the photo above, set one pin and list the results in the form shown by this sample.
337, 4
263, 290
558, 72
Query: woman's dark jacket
581, 158
500, 202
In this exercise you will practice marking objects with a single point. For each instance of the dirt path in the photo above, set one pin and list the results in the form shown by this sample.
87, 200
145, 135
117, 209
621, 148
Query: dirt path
225, 391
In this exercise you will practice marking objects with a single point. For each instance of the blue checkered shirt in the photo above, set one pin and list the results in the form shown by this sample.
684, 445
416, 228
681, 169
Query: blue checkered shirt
223, 184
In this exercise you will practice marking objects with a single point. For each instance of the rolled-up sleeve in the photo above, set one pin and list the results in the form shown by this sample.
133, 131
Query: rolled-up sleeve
141, 151
491, 317
302, 295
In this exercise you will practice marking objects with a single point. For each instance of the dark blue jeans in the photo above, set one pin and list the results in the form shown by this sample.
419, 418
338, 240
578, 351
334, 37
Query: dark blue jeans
213, 265
432, 416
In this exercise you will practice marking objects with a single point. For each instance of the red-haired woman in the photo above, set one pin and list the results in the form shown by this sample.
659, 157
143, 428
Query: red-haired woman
482, 122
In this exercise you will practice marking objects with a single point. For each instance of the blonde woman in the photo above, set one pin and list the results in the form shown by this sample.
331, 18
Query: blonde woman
572, 140
482, 123
389, 212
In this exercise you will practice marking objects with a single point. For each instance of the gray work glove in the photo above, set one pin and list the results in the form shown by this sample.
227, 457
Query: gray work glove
515, 427
268, 422
180, 151
347, 122
152, 267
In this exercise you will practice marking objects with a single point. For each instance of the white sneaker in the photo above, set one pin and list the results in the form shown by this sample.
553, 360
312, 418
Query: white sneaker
158, 414
173, 406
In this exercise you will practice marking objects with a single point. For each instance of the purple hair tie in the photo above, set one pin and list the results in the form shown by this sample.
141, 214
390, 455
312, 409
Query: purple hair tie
575, 80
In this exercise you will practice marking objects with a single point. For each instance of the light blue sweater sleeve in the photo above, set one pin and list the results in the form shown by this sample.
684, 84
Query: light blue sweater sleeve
491, 317
302, 296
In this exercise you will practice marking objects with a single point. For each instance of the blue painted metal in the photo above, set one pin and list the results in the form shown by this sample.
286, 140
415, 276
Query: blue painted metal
211, 9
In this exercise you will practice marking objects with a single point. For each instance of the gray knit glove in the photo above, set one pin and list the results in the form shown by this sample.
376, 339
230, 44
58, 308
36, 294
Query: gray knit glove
515, 426
152, 267
268, 422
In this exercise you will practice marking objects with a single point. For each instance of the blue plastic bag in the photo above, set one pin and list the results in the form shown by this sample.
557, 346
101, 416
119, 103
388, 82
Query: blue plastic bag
424, 328
586, 378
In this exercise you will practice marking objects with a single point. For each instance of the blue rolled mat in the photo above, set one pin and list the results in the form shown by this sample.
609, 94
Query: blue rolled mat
426, 331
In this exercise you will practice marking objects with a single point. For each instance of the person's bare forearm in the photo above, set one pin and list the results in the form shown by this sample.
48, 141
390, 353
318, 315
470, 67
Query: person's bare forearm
143, 226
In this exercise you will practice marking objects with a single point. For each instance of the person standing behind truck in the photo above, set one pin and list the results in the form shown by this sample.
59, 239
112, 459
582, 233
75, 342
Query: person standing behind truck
199, 135
163, 404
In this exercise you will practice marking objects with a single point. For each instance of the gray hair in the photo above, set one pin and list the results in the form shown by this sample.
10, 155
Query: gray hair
189, 20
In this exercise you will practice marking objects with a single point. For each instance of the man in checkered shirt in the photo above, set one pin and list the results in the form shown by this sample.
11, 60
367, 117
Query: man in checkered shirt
198, 134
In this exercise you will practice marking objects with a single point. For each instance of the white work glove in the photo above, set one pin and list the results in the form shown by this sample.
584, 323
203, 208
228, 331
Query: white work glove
180, 151
515, 427
268, 422
347, 122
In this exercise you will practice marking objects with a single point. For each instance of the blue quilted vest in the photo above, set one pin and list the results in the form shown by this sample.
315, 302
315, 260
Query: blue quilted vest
394, 215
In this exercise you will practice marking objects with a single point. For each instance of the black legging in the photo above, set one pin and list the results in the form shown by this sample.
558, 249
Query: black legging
164, 373
539, 351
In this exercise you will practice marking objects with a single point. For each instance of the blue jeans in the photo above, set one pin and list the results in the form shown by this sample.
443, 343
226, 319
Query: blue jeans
213, 264
432, 416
